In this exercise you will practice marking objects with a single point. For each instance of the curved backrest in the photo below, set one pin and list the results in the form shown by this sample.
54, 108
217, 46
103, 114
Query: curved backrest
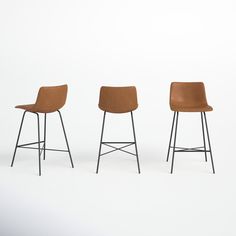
51, 99
118, 99
187, 94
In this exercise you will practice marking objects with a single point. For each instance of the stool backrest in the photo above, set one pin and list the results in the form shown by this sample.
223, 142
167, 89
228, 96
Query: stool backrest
51, 99
118, 99
187, 94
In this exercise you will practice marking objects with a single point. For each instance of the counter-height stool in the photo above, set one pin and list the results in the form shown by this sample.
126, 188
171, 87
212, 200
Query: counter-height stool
189, 97
49, 99
118, 100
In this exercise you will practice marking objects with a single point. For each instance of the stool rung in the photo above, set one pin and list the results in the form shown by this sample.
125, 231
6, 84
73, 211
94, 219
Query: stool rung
27, 144
118, 142
47, 149
189, 149
192, 151
116, 148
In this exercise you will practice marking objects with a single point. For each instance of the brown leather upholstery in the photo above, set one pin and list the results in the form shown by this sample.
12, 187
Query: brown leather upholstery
188, 97
50, 99
118, 99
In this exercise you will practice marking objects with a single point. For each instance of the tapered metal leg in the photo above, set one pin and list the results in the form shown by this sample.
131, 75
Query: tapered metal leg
39, 144
208, 137
44, 147
203, 134
67, 144
135, 143
18, 137
171, 134
175, 135
100, 146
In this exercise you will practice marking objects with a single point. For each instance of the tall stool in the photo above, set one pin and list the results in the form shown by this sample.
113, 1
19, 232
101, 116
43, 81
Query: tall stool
49, 99
118, 100
189, 97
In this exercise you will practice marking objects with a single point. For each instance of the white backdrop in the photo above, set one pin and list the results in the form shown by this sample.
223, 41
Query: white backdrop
87, 44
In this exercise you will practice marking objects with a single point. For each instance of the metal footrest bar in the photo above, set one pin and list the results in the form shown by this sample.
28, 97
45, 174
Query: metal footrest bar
41, 148
118, 142
27, 144
193, 149
47, 149
118, 149
187, 147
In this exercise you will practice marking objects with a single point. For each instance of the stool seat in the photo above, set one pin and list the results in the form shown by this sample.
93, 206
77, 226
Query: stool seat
118, 99
49, 99
204, 108
28, 107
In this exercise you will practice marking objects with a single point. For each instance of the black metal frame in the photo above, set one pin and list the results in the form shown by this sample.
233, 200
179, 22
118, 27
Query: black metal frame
39, 148
111, 144
194, 149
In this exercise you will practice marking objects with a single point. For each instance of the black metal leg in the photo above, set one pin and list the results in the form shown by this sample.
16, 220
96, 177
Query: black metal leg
100, 146
203, 134
171, 134
208, 137
173, 155
39, 144
18, 137
135, 143
44, 147
67, 144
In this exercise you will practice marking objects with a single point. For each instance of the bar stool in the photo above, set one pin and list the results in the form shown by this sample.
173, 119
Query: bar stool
118, 100
189, 97
49, 100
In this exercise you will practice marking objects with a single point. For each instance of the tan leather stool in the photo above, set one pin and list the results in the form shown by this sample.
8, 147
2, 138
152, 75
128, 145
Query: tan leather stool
50, 99
118, 100
189, 97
